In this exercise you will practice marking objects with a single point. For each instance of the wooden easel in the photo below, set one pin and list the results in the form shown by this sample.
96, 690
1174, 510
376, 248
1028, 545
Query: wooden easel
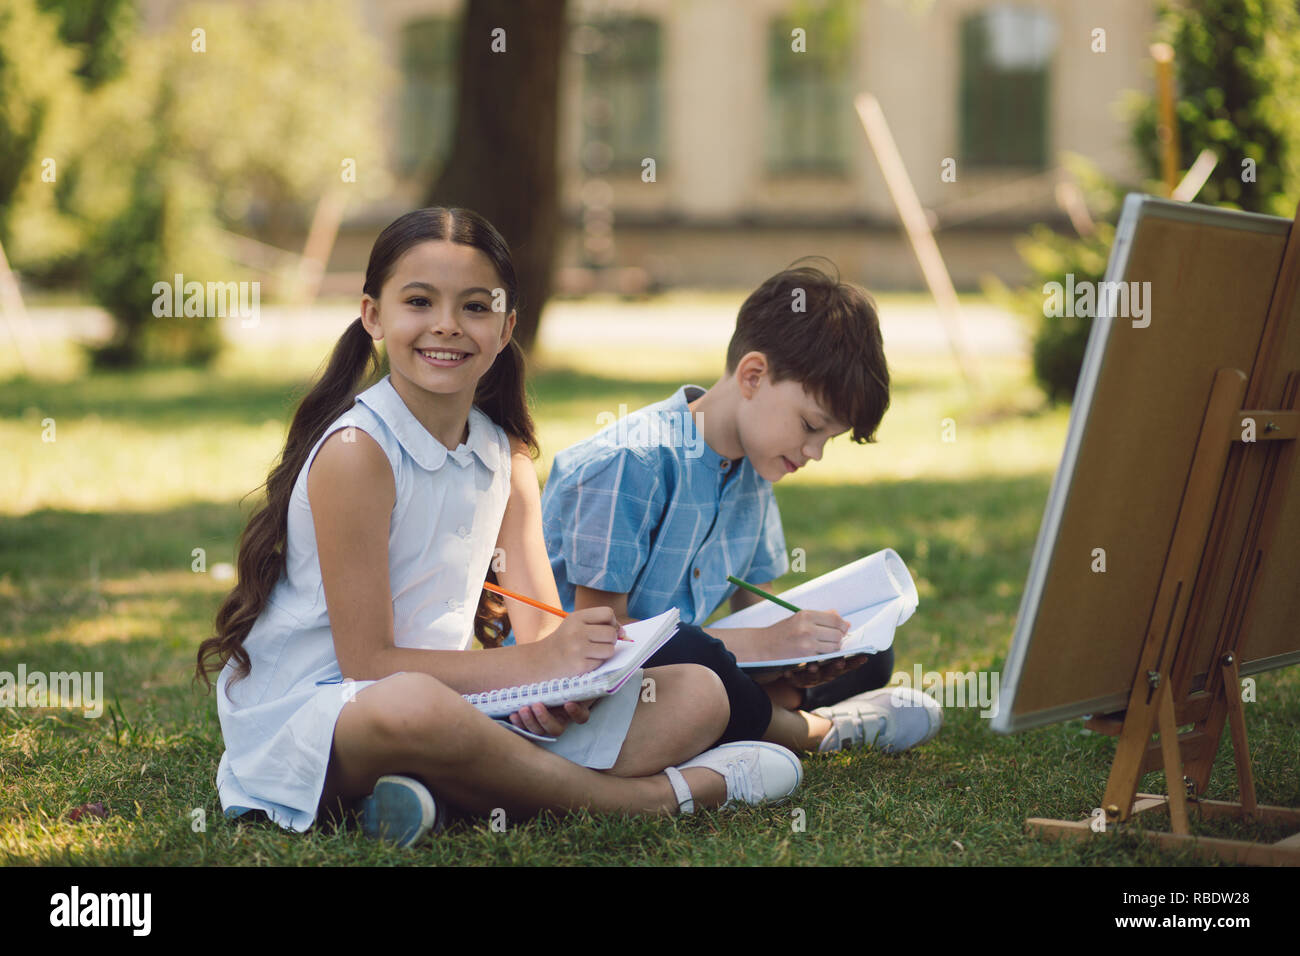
1163, 695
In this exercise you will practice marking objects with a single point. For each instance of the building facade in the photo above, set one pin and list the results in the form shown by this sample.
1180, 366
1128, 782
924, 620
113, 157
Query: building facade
745, 108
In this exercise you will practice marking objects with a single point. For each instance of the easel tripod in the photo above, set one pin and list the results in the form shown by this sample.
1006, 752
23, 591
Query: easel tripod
1167, 692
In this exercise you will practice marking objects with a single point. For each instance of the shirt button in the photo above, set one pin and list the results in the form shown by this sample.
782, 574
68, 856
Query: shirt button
453, 604
697, 572
725, 464
463, 531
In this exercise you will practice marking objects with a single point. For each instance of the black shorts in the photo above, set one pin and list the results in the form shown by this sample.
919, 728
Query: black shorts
751, 708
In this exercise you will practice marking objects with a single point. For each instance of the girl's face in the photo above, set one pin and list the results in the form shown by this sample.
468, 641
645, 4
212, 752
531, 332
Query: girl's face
436, 311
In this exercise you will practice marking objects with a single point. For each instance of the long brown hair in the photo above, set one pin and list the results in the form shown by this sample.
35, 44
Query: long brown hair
354, 365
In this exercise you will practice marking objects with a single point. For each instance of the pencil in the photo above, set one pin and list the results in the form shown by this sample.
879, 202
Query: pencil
531, 603
763, 594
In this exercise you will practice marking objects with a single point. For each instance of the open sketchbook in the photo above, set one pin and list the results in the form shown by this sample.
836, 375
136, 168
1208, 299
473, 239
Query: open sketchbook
646, 637
874, 594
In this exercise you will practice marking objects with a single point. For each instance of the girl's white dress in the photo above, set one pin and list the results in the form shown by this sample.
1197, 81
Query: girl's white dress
278, 722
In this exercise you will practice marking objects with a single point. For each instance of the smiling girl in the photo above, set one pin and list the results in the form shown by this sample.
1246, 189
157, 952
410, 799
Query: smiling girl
346, 645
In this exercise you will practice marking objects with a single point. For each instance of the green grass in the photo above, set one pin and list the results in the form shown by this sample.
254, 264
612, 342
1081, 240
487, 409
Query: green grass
97, 536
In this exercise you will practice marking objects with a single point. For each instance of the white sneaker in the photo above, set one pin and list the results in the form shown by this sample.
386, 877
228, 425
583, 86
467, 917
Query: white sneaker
401, 810
891, 719
755, 771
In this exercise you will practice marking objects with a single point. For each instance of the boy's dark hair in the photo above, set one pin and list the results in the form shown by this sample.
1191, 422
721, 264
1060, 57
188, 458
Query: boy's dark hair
824, 334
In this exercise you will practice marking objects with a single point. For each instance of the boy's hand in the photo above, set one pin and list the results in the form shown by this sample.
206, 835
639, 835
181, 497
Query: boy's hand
552, 721
819, 672
806, 634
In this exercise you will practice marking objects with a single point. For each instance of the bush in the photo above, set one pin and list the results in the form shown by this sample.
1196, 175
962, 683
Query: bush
1059, 342
165, 138
1237, 71
37, 105
1237, 75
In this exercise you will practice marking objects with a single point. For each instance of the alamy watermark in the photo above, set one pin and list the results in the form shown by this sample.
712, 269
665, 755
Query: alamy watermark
53, 689
179, 298
667, 429
1086, 299
951, 688
75, 908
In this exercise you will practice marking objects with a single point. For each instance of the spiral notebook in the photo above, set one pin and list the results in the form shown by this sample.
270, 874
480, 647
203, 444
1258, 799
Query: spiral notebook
646, 637
874, 594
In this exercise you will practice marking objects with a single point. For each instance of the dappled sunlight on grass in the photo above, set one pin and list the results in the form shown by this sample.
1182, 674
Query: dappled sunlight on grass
95, 465
137, 441
149, 583
122, 620
100, 528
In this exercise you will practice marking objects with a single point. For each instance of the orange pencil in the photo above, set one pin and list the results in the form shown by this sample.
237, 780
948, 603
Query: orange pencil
531, 603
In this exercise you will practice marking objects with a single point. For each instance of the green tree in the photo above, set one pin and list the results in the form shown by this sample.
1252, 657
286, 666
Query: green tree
503, 158
151, 217
1237, 70
99, 30
1237, 74
1059, 342
228, 114
37, 100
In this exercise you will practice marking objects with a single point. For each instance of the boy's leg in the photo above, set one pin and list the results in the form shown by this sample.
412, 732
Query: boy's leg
680, 721
873, 674
793, 723
797, 730
753, 714
751, 708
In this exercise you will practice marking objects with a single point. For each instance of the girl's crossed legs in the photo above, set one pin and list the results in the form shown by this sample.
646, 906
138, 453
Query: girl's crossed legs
413, 724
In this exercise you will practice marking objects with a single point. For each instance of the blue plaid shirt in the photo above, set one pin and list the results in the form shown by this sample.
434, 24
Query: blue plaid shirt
646, 508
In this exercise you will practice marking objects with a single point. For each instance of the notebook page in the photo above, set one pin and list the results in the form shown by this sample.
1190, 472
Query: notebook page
872, 630
862, 585
626, 653
645, 637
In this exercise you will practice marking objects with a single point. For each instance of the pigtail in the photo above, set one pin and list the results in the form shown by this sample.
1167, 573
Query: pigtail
263, 545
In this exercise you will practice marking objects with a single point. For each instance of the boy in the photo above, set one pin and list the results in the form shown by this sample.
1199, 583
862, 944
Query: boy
657, 510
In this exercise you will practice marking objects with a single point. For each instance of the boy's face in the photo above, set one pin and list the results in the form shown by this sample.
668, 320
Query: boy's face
781, 425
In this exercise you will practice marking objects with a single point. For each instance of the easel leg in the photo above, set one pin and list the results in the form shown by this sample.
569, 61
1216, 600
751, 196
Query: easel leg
1134, 739
1237, 727
1173, 760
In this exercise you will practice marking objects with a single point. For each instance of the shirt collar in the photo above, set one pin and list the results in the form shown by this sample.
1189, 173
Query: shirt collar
678, 403
429, 453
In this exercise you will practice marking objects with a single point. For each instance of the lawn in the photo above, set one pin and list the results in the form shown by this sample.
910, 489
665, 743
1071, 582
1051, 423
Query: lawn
97, 548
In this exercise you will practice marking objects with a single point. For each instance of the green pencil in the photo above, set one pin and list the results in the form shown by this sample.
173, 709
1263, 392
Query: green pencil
763, 594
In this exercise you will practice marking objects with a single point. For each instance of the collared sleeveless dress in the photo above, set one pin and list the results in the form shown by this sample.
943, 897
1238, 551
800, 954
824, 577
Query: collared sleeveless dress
278, 722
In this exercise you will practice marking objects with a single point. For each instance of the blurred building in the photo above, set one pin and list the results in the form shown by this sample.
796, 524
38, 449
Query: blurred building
759, 154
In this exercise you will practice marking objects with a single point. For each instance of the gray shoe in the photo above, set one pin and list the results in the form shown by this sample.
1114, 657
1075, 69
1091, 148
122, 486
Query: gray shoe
891, 719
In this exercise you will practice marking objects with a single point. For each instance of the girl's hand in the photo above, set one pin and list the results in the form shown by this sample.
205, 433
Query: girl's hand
551, 721
806, 634
582, 642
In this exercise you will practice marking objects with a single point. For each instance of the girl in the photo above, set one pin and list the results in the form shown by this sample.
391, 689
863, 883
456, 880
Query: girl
345, 647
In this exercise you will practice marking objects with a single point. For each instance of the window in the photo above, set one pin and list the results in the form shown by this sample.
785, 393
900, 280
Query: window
428, 99
622, 102
809, 105
1005, 58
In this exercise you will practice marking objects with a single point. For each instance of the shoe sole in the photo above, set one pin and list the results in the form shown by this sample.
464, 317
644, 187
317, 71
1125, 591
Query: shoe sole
399, 811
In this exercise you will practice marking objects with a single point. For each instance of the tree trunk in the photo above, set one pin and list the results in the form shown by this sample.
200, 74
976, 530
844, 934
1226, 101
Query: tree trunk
503, 157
